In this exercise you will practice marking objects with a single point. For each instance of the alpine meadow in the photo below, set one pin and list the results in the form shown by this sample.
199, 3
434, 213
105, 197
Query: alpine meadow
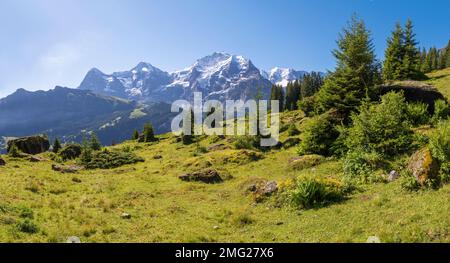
363, 153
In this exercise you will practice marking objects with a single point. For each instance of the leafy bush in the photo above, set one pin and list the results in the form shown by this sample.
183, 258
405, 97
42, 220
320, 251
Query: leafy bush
292, 130
439, 145
311, 192
27, 226
417, 113
307, 105
112, 159
408, 182
360, 165
70, 151
248, 142
318, 136
382, 128
441, 111
14, 151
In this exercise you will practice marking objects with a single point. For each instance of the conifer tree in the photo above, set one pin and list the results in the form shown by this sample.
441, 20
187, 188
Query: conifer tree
278, 94
394, 53
86, 151
135, 135
149, 135
56, 145
357, 72
95, 143
447, 56
410, 68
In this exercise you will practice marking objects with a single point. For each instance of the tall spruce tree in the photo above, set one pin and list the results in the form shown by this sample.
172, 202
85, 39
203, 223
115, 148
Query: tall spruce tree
357, 72
292, 95
447, 55
394, 53
56, 145
278, 94
135, 134
149, 135
410, 68
95, 143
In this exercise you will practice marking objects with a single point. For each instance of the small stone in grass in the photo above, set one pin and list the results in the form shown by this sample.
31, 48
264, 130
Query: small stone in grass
125, 216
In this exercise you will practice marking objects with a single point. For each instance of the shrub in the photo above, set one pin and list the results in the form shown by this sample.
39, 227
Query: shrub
318, 136
307, 105
360, 165
112, 159
311, 192
70, 151
441, 111
408, 182
246, 142
439, 145
382, 128
417, 113
199, 150
292, 130
14, 151
27, 226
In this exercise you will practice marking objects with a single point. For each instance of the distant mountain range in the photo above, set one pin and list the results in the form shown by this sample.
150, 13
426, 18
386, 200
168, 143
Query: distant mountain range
69, 113
113, 105
218, 76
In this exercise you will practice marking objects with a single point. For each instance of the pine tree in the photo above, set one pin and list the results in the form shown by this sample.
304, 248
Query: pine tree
292, 95
394, 53
56, 145
135, 135
410, 68
357, 72
433, 59
277, 94
447, 56
424, 67
86, 151
149, 135
95, 143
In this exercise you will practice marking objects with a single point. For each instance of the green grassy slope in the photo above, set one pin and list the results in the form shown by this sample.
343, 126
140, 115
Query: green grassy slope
441, 80
163, 208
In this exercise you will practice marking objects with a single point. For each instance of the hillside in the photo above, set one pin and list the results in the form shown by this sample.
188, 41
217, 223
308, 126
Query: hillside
162, 208
441, 80
67, 113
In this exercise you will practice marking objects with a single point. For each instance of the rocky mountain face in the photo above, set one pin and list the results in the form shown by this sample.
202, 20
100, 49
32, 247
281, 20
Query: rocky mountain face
68, 113
218, 76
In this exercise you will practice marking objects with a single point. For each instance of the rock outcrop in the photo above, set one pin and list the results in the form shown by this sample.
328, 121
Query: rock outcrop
209, 176
415, 91
31, 144
423, 166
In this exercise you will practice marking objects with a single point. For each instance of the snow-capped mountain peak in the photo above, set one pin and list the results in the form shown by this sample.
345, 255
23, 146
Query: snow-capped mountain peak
219, 76
281, 76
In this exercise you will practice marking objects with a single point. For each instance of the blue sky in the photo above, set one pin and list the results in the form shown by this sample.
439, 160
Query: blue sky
55, 42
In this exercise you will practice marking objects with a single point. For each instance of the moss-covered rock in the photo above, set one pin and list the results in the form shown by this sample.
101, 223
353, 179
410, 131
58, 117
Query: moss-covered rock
424, 167
209, 176
31, 144
305, 161
415, 91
